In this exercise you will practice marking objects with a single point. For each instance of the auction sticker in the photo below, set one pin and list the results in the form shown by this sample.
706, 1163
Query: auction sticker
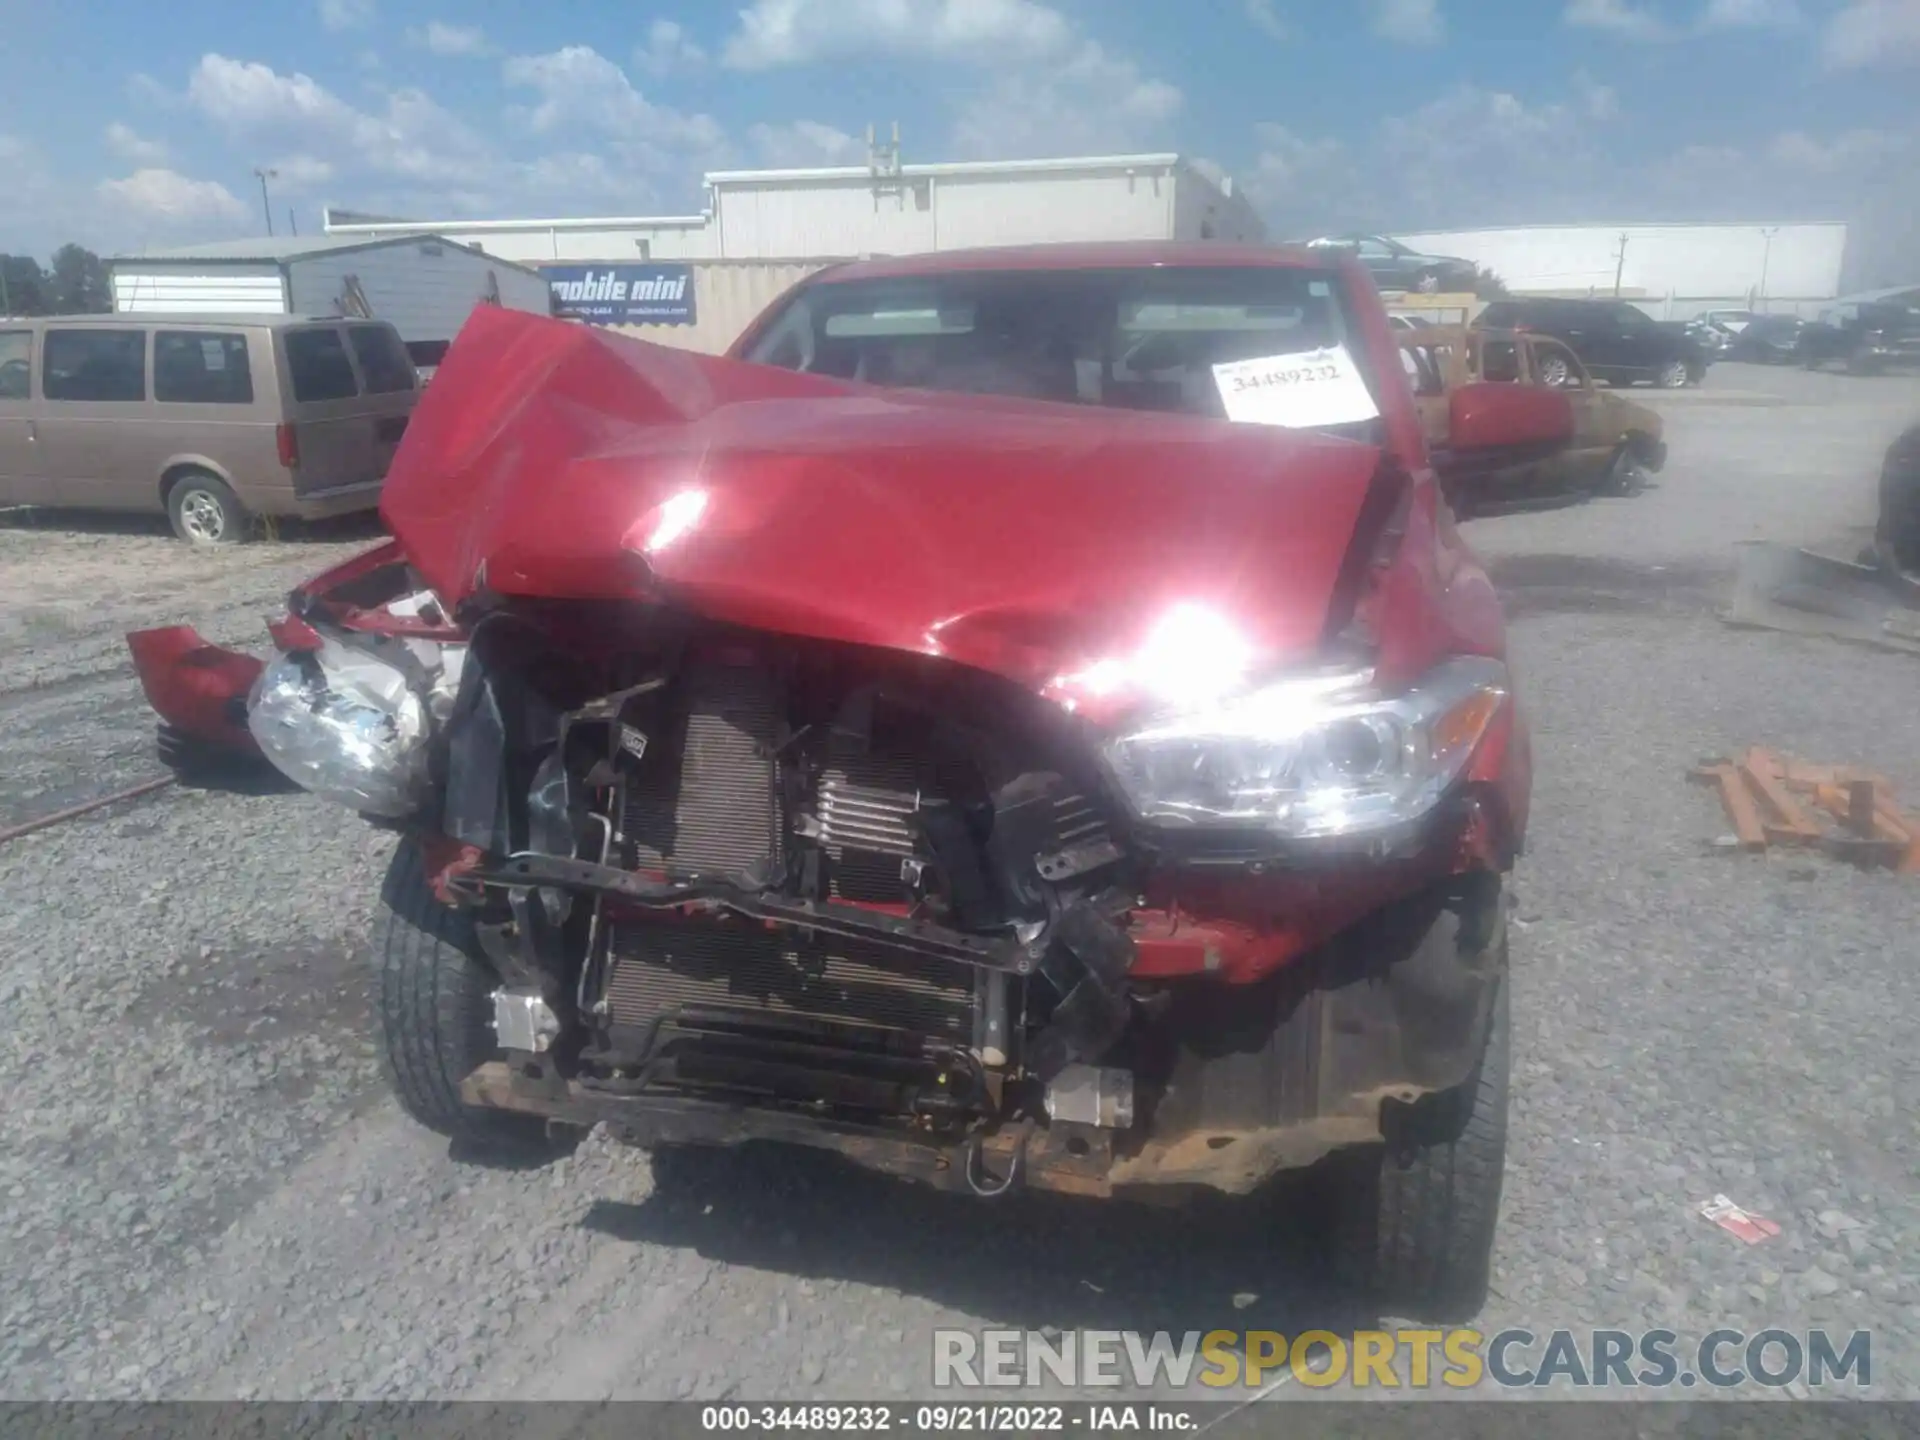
1299, 391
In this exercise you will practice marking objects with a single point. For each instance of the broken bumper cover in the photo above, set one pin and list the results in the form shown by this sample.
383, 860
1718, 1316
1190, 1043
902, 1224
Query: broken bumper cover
198, 690
1394, 1008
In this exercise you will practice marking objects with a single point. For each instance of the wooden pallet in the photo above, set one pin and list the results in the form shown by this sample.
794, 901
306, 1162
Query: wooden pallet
1773, 800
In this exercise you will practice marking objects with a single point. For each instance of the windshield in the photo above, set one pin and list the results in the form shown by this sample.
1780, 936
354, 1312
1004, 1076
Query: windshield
1134, 339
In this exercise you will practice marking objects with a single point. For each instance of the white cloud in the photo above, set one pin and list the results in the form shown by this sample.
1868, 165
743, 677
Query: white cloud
796, 32
172, 198
464, 42
1600, 102
1262, 15
346, 14
580, 88
1619, 17
805, 143
1409, 22
668, 49
1091, 102
1752, 15
128, 145
1874, 32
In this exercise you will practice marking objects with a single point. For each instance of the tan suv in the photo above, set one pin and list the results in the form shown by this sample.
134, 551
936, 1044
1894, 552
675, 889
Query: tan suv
213, 419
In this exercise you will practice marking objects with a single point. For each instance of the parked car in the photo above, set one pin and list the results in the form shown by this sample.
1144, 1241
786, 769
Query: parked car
1896, 533
1010, 787
1396, 267
1768, 340
1864, 338
1616, 443
1714, 342
1731, 321
1617, 342
210, 420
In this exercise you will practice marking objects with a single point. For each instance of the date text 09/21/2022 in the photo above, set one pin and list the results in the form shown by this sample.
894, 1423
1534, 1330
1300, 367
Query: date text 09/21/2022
962, 1419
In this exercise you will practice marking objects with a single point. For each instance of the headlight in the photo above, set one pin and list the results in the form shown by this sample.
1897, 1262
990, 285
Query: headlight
1313, 757
345, 726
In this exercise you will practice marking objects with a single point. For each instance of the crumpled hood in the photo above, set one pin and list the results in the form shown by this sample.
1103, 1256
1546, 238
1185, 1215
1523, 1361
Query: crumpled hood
550, 460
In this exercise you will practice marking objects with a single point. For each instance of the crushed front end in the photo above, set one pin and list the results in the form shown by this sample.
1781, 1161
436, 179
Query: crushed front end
933, 781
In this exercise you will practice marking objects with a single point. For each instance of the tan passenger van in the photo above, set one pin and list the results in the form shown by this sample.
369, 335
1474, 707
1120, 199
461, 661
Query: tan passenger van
213, 419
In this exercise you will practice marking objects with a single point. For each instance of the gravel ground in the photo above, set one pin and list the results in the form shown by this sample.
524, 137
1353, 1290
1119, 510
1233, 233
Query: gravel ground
208, 1195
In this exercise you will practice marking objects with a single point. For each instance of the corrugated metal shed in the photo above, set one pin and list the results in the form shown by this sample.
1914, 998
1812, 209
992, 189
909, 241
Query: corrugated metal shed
425, 284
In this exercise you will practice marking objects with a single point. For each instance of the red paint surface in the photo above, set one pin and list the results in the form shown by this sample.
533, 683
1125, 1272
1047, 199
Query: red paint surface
1021, 538
192, 685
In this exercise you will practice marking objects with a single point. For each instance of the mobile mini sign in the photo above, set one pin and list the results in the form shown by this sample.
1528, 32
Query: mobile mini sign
622, 294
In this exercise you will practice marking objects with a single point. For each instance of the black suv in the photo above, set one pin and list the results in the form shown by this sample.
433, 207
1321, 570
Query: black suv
1616, 341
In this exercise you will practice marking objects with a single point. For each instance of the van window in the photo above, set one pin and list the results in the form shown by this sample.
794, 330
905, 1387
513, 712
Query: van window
95, 365
16, 358
382, 360
317, 360
201, 367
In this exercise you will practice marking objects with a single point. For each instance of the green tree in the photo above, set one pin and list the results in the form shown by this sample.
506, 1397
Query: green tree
23, 286
1489, 286
79, 283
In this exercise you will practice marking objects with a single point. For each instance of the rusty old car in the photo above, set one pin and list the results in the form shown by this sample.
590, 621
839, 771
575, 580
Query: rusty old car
1617, 441
1024, 718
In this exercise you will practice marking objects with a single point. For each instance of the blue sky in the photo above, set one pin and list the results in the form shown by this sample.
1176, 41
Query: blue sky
131, 124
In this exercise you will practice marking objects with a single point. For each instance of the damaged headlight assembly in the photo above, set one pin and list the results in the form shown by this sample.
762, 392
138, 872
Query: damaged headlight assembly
1312, 757
350, 727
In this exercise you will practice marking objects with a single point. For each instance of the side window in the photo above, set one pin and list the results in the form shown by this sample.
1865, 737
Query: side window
1500, 362
317, 362
1375, 249
95, 365
383, 360
16, 364
201, 367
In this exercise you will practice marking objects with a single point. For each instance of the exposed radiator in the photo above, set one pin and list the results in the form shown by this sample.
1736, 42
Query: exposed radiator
708, 798
658, 968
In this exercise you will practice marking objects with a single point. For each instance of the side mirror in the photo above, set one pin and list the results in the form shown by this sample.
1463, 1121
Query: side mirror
1521, 421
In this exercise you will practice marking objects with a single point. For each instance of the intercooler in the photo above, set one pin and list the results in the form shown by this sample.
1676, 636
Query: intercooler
708, 798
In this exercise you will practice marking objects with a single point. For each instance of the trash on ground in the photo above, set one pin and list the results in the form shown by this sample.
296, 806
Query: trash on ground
1737, 1222
1848, 813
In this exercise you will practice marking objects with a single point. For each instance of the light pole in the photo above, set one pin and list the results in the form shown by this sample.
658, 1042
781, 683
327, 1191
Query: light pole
266, 205
1766, 261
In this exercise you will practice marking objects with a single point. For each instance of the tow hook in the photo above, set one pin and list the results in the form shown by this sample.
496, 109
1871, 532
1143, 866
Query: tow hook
974, 1167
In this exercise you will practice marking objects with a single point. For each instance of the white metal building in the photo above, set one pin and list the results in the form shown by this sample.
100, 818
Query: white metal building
1673, 271
885, 209
425, 284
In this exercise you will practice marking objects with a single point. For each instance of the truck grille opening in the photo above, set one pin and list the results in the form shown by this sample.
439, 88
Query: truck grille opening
660, 968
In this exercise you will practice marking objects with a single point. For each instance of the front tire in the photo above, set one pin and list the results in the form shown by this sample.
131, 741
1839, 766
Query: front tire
204, 512
1416, 1223
1624, 475
433, 1005
1675, 375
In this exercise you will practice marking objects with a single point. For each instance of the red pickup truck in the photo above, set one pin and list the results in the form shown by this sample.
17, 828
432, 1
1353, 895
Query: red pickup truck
1024, 718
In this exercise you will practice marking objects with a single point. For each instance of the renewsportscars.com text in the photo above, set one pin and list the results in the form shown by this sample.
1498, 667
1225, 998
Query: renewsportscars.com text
1459, 1359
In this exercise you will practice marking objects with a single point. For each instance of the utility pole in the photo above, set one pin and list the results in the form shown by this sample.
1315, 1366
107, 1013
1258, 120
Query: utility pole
1620, 270
266, 204
1766, 261
293, 224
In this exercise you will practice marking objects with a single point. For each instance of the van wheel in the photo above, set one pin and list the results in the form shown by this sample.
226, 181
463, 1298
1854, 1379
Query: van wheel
205, 512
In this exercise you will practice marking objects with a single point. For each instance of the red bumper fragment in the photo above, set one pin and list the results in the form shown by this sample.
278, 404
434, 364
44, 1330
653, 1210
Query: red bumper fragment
198, 689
